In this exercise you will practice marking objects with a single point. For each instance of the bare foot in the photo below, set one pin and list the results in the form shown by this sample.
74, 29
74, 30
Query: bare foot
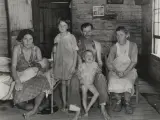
28, 114
106, 117
105, 114
86, 114
77, 116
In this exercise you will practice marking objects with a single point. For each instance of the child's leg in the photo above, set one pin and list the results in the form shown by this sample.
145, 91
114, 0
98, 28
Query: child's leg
95, 96
68, 83
84, 97
64, 86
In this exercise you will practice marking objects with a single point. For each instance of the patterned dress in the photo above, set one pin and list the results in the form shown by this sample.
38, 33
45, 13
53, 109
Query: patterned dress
33, 87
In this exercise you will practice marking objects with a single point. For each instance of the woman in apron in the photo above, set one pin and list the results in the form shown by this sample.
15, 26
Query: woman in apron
121, 62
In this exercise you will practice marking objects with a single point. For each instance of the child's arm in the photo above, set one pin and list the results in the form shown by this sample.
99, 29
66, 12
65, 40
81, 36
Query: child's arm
10, 91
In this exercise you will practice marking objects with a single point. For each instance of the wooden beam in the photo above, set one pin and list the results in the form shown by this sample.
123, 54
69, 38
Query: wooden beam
48, 1
8, 29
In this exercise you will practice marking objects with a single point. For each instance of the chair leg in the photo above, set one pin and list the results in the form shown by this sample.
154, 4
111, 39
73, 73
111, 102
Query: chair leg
110, 99
137, 93
52, 102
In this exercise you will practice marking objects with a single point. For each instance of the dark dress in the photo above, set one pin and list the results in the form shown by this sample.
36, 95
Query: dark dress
33, 87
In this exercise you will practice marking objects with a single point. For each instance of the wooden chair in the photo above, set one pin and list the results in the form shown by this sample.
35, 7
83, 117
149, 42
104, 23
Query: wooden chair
52, 95
136, 85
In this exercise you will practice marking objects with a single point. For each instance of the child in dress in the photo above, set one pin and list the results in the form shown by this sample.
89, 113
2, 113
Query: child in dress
64, 58
86, 73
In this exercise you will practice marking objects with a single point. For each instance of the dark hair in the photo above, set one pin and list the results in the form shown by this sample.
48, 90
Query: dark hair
125, 30
84, 25
84, 53
67, 21
24, 32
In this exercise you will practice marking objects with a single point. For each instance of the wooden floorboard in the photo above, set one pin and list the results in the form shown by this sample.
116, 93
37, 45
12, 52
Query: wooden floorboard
142, 111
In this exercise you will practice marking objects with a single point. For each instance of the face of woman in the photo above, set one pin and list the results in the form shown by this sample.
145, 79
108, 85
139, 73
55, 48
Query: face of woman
62, 27
121, 37
27, 41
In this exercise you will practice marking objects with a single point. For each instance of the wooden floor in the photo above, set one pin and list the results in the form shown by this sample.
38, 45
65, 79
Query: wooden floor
142, 111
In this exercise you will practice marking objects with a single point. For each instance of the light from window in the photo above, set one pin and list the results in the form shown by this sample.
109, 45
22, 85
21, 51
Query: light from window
156, 27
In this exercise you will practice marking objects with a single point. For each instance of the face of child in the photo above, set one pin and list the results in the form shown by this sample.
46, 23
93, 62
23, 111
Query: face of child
121, 37
87, 32
88, 57
62, 27
27, 41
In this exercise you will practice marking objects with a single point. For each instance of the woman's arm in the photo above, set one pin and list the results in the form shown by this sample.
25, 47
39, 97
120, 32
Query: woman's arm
134, 55
111, 58
99, 57
18, 84
14, 64
38, 54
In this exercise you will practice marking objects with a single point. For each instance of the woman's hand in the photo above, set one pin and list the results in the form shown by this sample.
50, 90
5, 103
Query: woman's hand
121, 74
18, 86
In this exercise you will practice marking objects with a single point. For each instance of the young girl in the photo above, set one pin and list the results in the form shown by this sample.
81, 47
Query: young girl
64, 57
86, 73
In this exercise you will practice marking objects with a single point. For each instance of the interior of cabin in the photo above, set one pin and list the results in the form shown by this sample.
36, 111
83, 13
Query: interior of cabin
140, 17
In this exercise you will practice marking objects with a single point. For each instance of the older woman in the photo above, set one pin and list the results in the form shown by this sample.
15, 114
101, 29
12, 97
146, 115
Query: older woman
26, 55
121, 62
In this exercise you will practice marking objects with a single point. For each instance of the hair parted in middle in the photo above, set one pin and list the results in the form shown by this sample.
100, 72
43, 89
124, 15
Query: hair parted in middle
124, 29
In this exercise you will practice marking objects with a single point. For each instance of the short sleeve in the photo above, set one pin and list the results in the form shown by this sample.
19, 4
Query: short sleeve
56, 39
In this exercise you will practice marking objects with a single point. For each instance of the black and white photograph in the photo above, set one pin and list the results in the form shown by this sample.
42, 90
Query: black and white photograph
79, 59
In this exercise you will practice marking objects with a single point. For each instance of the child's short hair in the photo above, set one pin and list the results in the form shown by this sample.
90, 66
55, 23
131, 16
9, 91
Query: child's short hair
67, 21
84, 53
84, 25
125, 30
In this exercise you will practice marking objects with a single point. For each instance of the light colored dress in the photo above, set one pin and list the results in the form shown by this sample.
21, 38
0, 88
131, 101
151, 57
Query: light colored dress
65, 56
120, 57
87, 73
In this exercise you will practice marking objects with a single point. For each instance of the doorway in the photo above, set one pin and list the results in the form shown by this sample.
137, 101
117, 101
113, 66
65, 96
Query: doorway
46, 14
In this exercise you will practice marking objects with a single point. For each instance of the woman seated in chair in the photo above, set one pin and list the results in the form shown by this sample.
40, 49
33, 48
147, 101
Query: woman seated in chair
121, 64
26, 55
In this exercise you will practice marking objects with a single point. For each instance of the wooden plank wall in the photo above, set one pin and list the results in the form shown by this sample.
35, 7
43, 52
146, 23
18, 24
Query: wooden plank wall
128, 14
20, 14
3, 30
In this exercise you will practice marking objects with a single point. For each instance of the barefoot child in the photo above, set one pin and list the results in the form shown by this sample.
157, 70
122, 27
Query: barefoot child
87, 71
65, 58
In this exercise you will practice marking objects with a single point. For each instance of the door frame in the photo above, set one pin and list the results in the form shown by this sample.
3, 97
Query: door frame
36, 4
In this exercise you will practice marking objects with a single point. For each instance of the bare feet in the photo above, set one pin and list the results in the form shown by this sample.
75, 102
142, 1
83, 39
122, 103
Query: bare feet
86, 114
28, 114
104, 113
77, 116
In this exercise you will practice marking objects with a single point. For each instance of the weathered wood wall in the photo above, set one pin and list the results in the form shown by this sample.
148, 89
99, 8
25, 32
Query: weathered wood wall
128, 14
3, 30
20, 15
